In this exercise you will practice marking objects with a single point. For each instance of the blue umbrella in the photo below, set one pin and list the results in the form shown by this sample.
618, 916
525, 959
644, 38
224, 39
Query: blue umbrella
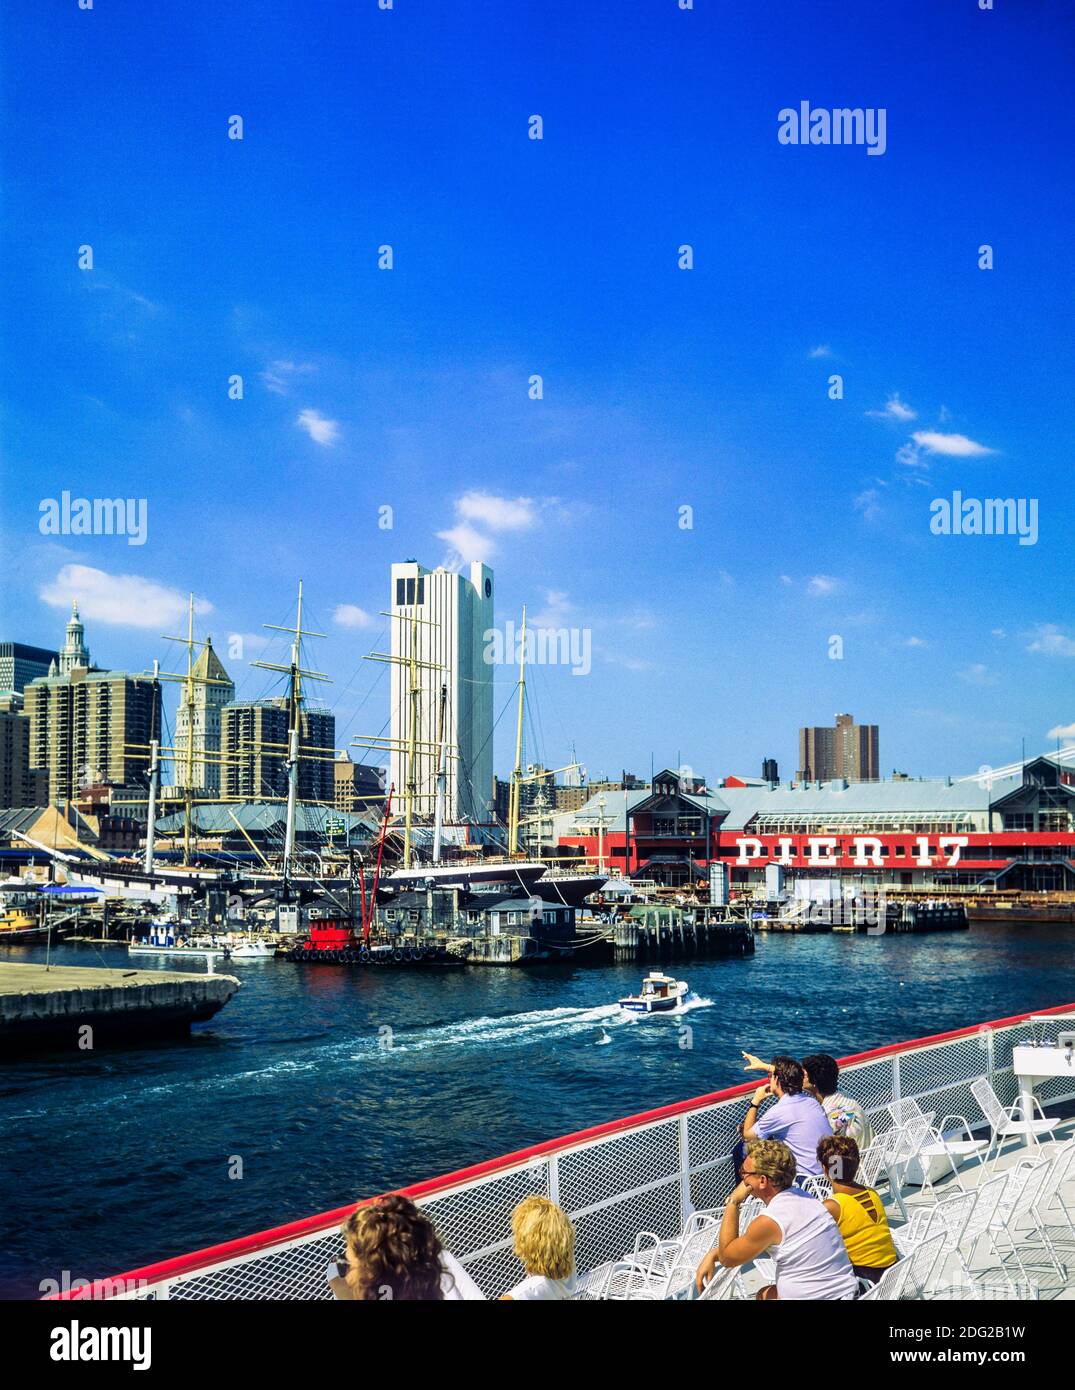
69, 890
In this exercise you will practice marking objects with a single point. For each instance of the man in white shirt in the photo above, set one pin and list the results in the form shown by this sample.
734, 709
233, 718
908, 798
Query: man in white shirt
804, 1241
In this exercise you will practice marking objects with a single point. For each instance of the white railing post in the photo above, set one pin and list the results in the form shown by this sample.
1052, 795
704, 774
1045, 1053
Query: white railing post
554, 1179
896, 1091
685, 1204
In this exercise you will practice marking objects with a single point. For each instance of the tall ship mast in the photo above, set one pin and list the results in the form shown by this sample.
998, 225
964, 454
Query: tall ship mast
296, 674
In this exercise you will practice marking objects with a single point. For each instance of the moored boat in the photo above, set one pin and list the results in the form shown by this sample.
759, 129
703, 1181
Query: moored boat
167, 940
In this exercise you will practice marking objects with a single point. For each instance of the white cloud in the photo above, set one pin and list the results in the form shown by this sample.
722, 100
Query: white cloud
822, 350
1062, 731
1048, 639
952, 445
915, 642
910, 456
869, 504
787, 580
321, 430
467, 544
351, 616
822, 585
895, 409
627, 660
558, 608
997, 632
125, 600
279, 376
495, 513
498, 513
978, 674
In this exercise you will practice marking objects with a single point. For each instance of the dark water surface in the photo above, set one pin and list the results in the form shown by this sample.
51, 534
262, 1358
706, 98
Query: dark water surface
331, 1083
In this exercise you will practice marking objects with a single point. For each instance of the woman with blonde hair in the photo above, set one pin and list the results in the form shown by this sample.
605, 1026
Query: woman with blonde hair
544, 1240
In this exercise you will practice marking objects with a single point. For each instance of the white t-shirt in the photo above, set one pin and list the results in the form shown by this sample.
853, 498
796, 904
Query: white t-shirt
811, 1259
540, 1286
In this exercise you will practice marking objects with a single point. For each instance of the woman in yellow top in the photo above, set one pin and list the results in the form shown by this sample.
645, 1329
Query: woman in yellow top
857, 1210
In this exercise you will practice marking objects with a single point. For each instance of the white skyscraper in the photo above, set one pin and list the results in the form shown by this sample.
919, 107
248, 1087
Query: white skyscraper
453, 613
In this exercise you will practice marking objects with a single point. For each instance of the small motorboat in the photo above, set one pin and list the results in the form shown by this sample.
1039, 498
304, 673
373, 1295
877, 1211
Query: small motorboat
166, 940
252, 950
659, 994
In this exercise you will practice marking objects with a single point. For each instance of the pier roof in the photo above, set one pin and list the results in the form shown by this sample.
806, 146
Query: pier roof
735, 807
862, 798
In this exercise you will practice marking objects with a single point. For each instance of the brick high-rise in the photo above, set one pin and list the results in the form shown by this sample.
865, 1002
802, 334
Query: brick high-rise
847, 750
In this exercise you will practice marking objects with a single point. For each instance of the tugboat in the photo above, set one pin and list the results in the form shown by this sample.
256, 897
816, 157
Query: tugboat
660, 994
334, 941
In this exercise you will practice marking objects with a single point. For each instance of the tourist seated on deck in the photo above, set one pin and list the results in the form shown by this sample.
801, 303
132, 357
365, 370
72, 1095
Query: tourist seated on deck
796, 1119
394, 1253
544, 1240
856, 1209
795, 1230
846, 1116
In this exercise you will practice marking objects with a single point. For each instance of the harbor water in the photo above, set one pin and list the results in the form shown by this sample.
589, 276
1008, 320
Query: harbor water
316, 1086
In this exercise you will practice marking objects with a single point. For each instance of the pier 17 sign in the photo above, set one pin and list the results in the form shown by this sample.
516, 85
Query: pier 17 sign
859, 851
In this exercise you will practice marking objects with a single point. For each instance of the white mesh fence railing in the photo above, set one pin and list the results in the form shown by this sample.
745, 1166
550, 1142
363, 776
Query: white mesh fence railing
645, 1178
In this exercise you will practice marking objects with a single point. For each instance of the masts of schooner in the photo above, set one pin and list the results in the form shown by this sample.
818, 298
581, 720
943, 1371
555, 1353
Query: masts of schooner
413, 745
517, 771
442, 777
154, 771
295, 673
158, 754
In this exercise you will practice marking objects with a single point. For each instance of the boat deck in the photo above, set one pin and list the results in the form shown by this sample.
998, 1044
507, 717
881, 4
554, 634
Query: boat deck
651, 1173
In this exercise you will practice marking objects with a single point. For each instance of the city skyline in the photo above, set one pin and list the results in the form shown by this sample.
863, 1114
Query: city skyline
662, 388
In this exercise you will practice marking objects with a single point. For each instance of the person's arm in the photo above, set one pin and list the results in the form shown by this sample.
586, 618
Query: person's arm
833, 1208
756, 1064
750, 1119
734, 1249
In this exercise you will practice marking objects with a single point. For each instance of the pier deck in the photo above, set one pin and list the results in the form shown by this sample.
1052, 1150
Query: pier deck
54, 1007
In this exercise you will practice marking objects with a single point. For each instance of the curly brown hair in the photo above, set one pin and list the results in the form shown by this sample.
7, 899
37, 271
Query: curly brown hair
393, 1252
773, 1160
838, 1154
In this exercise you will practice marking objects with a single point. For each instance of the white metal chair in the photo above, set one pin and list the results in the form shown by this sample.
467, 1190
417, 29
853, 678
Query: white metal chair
817, 1185
721, 1288
912, 1276
1053, 1201
905, 1145
1002, 1119
1020, 1220
936, 1139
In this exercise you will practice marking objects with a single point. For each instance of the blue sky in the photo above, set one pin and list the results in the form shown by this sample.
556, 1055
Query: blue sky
663, 388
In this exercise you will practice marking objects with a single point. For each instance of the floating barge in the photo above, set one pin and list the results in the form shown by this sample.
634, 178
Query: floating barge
51, 1007
841, 917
